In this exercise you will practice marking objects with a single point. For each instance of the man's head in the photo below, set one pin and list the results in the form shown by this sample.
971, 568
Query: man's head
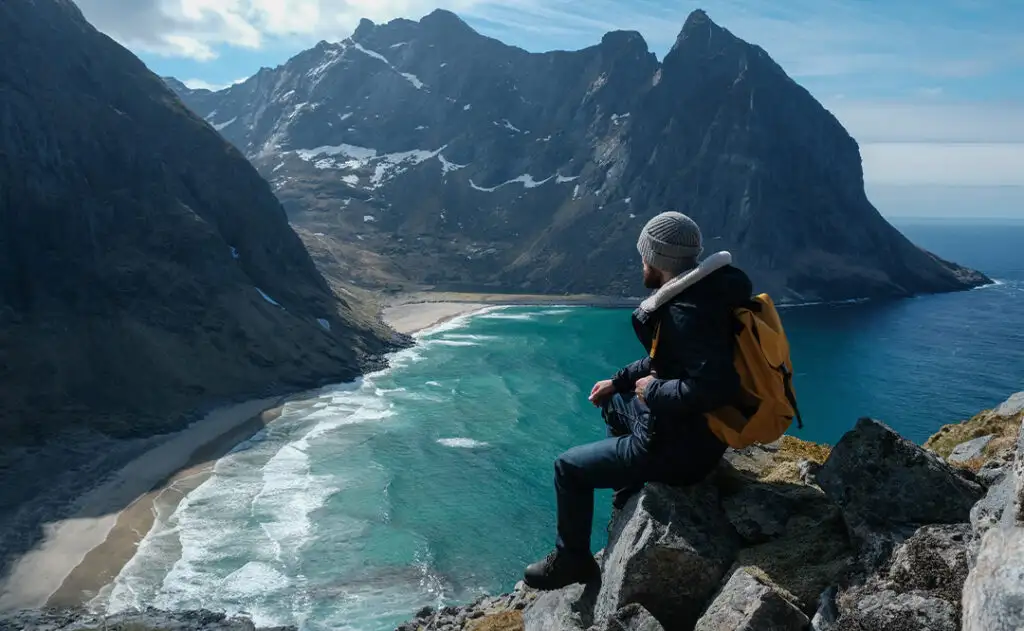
669, 245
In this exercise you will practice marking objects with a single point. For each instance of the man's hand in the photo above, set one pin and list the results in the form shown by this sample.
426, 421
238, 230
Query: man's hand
601, 392
641, 385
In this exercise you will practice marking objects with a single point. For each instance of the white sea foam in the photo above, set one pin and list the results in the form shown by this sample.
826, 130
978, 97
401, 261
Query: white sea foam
462, 443
455, 343
453, 324
192, 553
500, 315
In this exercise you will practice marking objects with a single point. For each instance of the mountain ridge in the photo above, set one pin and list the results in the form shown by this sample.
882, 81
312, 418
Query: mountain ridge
457, 162
146, 269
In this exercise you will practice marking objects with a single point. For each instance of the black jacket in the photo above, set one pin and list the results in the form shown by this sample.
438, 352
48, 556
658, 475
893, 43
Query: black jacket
693, 362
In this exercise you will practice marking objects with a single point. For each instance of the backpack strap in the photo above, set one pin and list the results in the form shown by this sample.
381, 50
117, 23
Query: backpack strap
657, 336
788, 380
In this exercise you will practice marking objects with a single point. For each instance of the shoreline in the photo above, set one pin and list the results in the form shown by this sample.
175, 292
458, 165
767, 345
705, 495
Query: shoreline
417, 313
80, 555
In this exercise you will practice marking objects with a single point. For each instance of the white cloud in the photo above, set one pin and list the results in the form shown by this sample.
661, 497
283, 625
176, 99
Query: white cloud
200, 84
197, 29
942, 144
951, 164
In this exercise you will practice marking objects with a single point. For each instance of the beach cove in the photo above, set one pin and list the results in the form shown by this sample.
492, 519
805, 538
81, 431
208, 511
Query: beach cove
336, 506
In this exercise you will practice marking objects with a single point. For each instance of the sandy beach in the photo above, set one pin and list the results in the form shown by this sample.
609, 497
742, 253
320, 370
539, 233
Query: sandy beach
417, 312
80, 556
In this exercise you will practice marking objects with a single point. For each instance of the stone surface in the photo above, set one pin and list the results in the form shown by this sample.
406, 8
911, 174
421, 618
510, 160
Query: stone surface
150, 620
935, 560
993, 598
989, 510
970, 450
570, 609
483, 166
919, 591
887, 487
631, 618
1013, 405
747, 604
668, 551
759, 512
888, 610
827, 614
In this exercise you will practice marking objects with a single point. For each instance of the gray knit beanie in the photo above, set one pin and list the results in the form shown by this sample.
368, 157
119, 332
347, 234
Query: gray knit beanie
669, 241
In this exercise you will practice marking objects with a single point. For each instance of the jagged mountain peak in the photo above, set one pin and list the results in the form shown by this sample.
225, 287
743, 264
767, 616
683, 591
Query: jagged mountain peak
701, 33
625, 40
465, 162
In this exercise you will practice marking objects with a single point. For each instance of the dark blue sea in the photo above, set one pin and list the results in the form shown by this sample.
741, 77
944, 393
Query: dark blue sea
431, 482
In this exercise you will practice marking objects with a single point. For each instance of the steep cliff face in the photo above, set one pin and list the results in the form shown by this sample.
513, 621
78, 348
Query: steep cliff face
146, 269
461, 162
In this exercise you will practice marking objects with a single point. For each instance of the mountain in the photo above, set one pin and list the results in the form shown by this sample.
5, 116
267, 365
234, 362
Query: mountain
427, 153
147, 272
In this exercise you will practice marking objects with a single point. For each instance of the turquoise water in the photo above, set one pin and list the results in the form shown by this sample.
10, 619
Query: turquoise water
430, 482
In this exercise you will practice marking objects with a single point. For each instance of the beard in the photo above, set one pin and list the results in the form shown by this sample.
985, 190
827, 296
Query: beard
652, 279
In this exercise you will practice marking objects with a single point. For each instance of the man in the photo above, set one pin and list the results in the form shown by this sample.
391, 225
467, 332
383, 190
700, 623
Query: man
654, 407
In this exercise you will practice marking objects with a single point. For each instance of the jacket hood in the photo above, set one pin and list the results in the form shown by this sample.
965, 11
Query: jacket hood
715, 280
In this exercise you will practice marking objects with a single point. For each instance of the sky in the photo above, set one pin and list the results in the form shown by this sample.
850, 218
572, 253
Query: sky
932, 90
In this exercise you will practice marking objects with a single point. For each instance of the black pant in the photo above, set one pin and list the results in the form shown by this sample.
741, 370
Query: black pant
626, 458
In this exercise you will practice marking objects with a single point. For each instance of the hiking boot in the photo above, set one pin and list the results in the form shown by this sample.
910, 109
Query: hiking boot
621, 496
561, 569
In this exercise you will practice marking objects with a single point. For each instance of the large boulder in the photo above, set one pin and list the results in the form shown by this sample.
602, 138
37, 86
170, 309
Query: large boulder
569, 609
970, 450
148, 620
631, 618
993, 598
919, 591
988, 512
746, 603
887, 610
888, 487
668, 550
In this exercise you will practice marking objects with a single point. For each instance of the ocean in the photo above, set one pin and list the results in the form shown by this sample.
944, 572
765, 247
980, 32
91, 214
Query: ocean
431, 482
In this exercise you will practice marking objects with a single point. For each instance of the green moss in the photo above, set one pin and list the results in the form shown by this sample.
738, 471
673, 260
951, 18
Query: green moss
503, 621
1004, 428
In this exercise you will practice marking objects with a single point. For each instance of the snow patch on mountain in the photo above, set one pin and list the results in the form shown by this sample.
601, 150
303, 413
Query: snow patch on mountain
413, 79
447, 167
526, 180
220, 126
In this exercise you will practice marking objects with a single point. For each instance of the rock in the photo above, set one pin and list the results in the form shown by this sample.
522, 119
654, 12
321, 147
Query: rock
148, 620
1013, 405
992, 472
569, 609
668, 551
759, 512
888, 610
809, 471
747, 604
970, 450
920, 590
935, 560
993, 598
989, 510
631, 618
888, 487
827, 614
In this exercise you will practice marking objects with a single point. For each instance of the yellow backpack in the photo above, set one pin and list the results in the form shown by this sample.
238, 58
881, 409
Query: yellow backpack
766, 404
